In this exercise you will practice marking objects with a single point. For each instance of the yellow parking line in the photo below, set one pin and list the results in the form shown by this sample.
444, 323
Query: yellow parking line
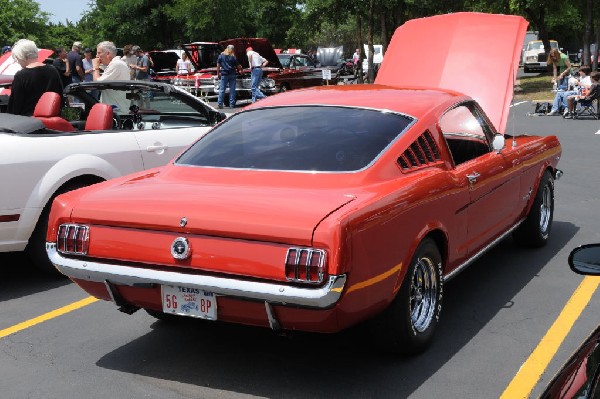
533, 368
47, 316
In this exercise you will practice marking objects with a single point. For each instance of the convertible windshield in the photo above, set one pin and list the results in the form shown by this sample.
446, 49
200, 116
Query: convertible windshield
147, 99
299, 138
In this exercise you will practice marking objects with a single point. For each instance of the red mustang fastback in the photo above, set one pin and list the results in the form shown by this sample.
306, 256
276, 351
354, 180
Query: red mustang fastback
321, 208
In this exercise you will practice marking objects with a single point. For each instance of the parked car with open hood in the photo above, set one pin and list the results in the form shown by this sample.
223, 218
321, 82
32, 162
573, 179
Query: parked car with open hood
203, 57
321, 208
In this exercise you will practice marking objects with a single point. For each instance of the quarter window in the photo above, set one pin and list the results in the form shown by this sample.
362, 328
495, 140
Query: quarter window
466, 134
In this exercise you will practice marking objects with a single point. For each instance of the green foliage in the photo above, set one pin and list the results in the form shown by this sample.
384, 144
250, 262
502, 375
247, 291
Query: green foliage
158, 24
21, 19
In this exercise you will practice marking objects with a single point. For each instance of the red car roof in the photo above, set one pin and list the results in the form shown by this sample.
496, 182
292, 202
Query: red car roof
411, 101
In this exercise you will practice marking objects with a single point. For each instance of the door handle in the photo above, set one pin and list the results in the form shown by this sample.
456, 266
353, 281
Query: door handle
473, 177
159, 149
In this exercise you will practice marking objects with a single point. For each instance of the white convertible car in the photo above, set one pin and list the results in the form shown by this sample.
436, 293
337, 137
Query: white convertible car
146, 125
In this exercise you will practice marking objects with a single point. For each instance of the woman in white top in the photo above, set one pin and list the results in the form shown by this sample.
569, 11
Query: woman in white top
184, 66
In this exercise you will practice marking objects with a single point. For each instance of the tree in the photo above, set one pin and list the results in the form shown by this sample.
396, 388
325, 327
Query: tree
22, 19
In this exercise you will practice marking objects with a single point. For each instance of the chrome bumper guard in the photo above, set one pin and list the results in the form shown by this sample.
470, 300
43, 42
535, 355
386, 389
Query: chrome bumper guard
273, 293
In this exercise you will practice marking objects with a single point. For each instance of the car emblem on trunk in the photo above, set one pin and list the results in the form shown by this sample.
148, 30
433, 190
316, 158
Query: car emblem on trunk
183, 222
181, 249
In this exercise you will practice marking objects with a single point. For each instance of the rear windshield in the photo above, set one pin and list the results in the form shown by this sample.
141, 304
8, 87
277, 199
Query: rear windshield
299, 138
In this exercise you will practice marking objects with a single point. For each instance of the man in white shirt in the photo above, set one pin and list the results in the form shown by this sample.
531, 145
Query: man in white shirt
116, 68
256, 63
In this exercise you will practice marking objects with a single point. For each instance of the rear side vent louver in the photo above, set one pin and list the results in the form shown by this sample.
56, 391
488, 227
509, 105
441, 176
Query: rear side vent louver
422, 152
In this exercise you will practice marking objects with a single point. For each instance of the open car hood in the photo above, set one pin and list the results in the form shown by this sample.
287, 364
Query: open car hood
472, 53
164, 61
203, 55
330, 56
260, 45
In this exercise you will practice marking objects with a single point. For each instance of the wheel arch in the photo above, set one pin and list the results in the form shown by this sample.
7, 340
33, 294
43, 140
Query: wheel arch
545, 168
439, 237
89, 170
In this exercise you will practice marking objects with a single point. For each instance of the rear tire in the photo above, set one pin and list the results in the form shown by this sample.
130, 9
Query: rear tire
535, 229
36, 247
408, 325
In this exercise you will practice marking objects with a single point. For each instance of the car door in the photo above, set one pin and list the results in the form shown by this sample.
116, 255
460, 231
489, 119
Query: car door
492, 177
305, 74
159, 146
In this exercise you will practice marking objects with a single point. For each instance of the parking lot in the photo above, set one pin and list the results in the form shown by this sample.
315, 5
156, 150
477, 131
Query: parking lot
495, 315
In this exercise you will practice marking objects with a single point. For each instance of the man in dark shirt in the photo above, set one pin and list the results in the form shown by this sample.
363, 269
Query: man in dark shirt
75, 64
62, 66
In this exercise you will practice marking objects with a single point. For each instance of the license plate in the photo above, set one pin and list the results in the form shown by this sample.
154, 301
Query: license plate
187, 301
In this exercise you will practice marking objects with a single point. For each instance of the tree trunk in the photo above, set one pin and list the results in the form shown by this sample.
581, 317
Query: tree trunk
384, 33
596, 50
359, 46
587, 34
370, 22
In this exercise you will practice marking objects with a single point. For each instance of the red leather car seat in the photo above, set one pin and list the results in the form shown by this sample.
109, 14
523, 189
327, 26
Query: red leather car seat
47, 110
100, 117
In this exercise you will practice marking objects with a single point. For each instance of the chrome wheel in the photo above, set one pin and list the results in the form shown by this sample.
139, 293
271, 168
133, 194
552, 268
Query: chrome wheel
546, 209
535, 229
423, 294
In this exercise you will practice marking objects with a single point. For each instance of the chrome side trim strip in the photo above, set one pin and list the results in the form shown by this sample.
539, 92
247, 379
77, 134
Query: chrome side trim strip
275, 293
468, 262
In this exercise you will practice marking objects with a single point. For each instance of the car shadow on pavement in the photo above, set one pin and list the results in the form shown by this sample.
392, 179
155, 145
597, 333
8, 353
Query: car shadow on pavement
256, 361
20, 278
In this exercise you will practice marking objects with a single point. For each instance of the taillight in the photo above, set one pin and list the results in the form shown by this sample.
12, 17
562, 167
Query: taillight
73, 239
305, 265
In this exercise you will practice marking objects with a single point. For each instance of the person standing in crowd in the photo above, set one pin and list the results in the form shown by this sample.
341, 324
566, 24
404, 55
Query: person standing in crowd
130, 59
32, 81
142, 65
116, 69
227, 65
62, 65
356, 62
256, 62
184, 66
561, 67
88, 65
75, 65
560, 99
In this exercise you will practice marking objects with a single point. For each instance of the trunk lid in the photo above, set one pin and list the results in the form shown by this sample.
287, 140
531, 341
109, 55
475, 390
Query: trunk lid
213, 205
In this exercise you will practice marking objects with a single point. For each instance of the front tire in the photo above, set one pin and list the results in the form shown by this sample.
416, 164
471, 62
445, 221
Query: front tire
408, 325
535, 229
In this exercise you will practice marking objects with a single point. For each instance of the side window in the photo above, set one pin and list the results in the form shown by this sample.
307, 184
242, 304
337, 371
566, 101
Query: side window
465, 134
301, 61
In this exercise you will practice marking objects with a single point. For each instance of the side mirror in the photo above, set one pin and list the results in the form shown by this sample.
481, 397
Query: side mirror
498, 142
586, 260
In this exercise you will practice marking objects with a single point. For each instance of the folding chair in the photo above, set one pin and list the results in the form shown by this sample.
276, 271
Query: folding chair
587, 108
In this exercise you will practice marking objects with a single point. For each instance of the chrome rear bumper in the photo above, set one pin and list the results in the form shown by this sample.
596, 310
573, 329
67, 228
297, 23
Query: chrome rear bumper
273, 293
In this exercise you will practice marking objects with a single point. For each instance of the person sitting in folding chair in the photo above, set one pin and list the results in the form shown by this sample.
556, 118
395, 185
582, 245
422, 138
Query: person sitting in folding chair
586, 103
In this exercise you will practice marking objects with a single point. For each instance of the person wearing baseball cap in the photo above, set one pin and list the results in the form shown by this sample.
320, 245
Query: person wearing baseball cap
76, 71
